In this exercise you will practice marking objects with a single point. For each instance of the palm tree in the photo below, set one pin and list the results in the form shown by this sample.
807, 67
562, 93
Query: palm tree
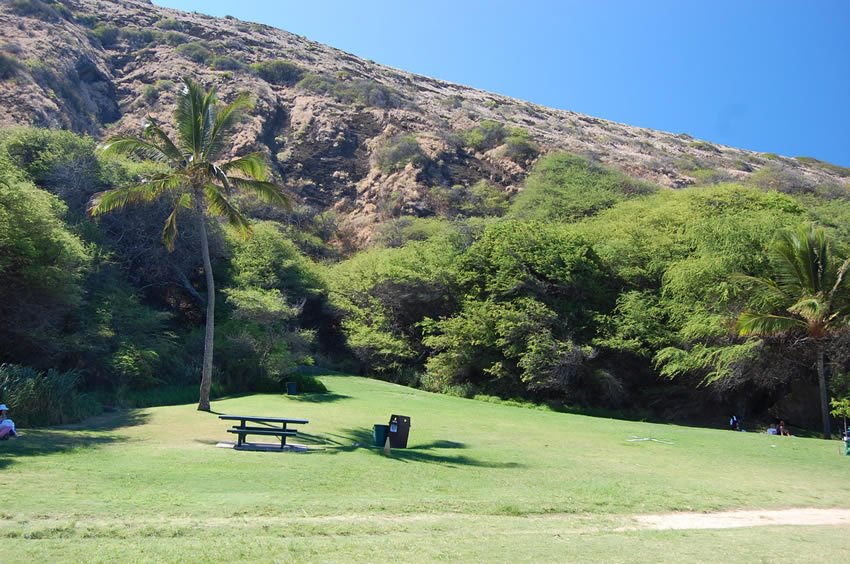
807, 295
195, 181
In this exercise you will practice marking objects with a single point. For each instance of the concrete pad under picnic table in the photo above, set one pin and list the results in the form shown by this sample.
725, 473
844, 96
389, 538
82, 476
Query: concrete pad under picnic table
263, 447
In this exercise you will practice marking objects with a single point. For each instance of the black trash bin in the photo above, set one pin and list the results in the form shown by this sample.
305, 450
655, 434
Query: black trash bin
292, 388
399, 430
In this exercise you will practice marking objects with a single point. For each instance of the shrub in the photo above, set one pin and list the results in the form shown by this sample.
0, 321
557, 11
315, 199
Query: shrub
226, 63
481, 199
9, 66
196, 51
778, 177
106, 34
39, 398
278, 71
137, 37
519, 146
46, 11
398, 152
486, 135
318, 84
361, 92
704, 146
152, 91
169, 23
175, 38
564, 187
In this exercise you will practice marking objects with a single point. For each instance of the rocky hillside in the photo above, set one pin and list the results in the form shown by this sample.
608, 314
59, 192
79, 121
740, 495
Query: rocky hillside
365, 140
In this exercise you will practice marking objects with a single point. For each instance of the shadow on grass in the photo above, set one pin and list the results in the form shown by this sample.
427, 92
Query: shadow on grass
92, 432
350, 440
326, 397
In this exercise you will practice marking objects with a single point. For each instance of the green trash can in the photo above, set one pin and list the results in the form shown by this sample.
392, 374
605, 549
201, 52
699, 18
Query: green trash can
379, 434
292, 388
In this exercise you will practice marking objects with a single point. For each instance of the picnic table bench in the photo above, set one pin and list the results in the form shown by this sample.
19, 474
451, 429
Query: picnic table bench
266, 426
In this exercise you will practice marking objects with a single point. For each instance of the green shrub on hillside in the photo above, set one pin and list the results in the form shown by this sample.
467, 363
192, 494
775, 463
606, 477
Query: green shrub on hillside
564, 187
9, 66
518, 146
278, 71
169, 24
398, 151
197, 51
46, 10
486, 135
226, 63
775, 176
107, 34
482, 199
151, 92
361, 92
138, 38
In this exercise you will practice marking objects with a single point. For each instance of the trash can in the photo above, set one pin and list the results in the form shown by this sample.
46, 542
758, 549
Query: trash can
379, 434
292, 388
399, 430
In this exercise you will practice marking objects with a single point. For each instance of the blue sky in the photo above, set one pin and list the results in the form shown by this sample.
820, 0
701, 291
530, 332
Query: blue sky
771, 76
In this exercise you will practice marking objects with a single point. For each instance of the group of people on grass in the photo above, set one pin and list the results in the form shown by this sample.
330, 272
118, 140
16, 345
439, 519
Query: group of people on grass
774, 428
7, 426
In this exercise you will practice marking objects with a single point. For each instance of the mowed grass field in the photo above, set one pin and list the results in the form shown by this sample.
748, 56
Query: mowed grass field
480, 481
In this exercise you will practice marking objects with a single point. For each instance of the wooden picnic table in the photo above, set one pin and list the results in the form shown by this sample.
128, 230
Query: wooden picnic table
267, 426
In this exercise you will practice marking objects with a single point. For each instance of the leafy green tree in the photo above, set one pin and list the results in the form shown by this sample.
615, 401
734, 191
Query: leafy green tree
807, 294
196, 181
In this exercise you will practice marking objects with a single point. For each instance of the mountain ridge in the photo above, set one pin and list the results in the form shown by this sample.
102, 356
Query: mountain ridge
120, 61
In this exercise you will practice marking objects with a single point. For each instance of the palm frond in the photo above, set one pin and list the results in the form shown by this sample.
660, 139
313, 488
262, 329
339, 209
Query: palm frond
163, 141
252, 165
223, 122
266, 191
169, 232
133, 146
218, 204
766, 324
191, 114
811, 308
118, 198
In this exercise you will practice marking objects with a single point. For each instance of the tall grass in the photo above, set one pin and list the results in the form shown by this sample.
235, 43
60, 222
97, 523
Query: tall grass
43, 398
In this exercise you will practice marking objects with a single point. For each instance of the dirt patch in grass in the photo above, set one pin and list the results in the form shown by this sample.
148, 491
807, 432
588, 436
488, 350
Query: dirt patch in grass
748, 518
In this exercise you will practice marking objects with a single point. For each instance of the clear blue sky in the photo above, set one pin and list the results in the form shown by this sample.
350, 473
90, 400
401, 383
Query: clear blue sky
767, 75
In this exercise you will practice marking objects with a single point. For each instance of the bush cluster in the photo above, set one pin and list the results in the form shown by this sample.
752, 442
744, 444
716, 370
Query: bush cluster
398, 151
278, 71
360, 92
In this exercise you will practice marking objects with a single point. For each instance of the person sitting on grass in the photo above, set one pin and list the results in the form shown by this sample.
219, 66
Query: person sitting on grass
783, 430
7, 426
772, 430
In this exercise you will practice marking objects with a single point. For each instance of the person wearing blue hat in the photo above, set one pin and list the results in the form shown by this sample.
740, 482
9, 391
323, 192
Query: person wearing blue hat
7, 426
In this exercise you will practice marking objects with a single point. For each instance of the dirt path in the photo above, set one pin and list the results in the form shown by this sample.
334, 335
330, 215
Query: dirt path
749, 518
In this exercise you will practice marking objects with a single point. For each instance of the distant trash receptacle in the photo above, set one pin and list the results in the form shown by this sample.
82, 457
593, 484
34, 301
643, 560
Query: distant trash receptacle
399, 430
292, 388
379, 434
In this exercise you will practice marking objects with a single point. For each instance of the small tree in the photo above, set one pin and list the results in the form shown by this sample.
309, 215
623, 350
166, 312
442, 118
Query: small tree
196, 181
841, 408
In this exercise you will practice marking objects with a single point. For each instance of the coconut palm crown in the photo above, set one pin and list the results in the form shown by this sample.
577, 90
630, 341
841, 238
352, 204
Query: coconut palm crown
807, 294
196, 180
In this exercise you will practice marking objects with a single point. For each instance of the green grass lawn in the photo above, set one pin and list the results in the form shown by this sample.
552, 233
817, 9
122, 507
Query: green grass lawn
480, 481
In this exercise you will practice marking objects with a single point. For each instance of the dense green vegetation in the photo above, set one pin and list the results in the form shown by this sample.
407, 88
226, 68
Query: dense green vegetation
588, 288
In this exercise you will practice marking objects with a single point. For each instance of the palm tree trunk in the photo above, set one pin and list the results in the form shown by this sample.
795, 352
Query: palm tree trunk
824, 399
206, 372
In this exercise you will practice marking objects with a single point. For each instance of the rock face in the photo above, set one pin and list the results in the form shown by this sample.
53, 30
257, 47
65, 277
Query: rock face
324, 119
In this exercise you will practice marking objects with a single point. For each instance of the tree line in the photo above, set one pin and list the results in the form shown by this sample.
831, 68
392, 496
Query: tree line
589, 288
